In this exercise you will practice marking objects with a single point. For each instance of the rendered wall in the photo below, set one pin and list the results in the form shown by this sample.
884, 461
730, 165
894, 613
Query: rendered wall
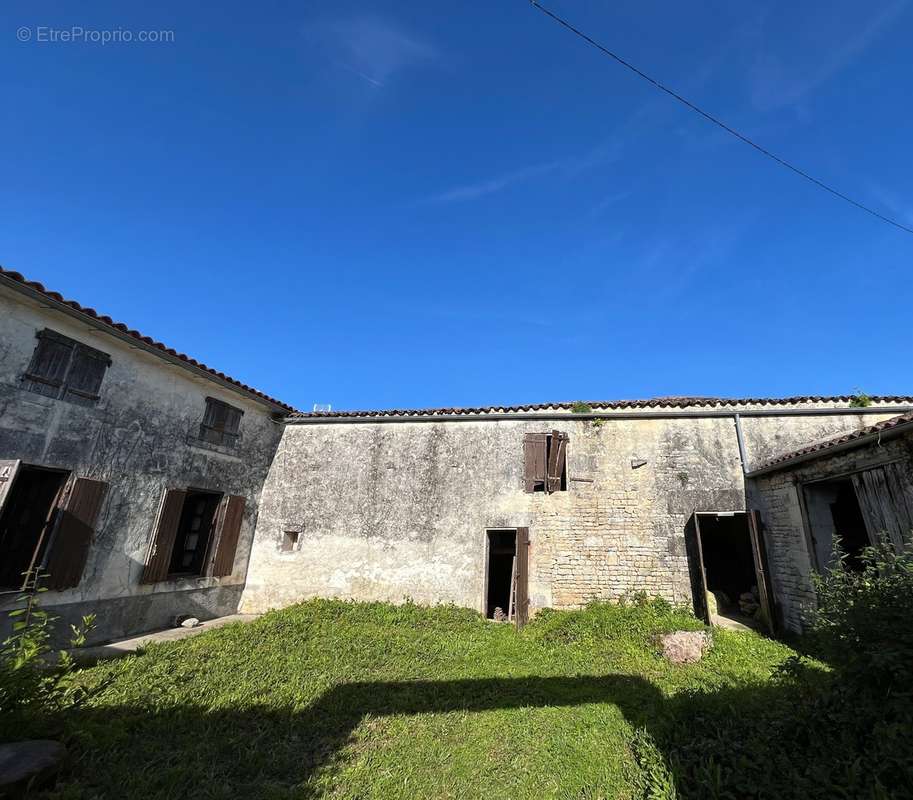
388, 511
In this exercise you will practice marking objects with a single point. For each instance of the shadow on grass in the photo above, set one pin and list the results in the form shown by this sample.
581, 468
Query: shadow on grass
270, 753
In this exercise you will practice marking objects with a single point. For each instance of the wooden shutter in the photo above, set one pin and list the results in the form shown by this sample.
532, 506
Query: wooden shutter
50, 363
228, 530
72, 536
760, 567
886, 504
87, 371
522, 588
535, 471
700, 573
8, 472
556, 461
158, 558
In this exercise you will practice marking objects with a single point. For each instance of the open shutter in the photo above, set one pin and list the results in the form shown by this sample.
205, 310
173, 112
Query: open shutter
166, 527
556, 461
885, 503
522, 588
8, 472
534, 461
231, 513
72, 536
760, 568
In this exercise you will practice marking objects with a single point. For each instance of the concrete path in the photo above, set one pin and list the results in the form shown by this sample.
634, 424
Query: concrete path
123, 647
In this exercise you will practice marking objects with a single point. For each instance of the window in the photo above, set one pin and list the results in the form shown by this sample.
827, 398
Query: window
66, 369
289, 541
196, 533
545, 462
220, 423
45, 525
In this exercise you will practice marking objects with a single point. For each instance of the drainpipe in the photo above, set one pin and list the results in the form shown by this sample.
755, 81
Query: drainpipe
741, 440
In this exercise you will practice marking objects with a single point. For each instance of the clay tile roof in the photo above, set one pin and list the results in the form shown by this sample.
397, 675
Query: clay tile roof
843, 439
104, 320
600, 405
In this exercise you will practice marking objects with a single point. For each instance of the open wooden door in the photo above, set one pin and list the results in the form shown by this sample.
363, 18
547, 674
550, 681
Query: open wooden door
522, 586
758, 554
699, 573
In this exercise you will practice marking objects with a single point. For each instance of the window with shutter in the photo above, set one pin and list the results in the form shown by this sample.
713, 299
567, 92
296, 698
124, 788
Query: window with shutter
228, 532
66, 369
545, 462
221, 423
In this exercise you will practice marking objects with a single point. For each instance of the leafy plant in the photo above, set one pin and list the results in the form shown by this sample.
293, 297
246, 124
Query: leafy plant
581, 408
860, 400
33, 677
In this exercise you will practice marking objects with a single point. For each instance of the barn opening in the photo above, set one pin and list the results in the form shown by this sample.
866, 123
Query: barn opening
194, 532
25, 521
502, 551
730, 578
834, 514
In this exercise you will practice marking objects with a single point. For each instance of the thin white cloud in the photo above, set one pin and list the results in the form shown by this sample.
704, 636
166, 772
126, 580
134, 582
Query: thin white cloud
774, 85
570, 166
374, 49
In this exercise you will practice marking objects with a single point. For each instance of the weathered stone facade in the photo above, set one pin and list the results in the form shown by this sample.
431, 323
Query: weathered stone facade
140, 438
388, 510
388, 506
778, 496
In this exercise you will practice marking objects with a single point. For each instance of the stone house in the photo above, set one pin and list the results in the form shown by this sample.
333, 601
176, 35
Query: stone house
148, 485
131, 472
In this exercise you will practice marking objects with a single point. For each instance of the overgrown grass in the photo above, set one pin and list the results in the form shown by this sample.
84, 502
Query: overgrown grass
341, 700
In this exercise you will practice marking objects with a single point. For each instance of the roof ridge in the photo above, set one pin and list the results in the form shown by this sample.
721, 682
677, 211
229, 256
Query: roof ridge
662, 402
18, 277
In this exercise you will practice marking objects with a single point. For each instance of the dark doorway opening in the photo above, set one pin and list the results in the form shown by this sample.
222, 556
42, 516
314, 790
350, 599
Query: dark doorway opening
834, 514
729, 575
25, 522
194, 533
502, 549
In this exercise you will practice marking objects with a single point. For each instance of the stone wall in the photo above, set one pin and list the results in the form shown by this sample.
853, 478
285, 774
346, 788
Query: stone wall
789, 549
140, 439
391, 510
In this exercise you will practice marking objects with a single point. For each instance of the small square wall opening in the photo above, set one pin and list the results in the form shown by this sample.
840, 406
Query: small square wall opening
289, 541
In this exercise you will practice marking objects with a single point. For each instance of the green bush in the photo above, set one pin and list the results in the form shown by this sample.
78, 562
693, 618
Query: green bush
34, 679
812, 732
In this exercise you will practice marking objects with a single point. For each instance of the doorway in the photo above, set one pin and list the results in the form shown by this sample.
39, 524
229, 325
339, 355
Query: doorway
25, 520
731, 580
834, 514
502, 552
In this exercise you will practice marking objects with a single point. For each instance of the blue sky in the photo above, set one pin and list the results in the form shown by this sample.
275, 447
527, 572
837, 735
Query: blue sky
433, 203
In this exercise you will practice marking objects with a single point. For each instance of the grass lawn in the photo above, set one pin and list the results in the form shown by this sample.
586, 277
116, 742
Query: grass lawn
341, 700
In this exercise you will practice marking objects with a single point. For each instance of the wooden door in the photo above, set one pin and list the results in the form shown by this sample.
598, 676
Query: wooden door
522, 588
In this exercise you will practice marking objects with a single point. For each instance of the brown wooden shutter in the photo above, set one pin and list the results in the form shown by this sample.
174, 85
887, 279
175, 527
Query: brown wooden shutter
228, 530
87, 371
522, 588
50, 363
534, 461
72, 536
158, 558
556, 461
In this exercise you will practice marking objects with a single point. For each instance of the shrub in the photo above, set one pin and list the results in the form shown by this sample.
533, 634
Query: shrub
33, 677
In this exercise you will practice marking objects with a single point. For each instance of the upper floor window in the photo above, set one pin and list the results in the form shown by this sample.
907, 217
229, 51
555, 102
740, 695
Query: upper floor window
66, 369
545, 462
220, 423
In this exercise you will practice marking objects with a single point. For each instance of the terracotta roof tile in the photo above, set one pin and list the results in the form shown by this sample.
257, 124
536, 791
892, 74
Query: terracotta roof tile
845, 438
120, 326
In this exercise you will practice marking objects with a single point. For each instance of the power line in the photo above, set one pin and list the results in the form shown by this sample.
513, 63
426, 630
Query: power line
763, 150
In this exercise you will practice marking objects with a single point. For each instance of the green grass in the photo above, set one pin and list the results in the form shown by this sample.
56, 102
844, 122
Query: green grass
342, 700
